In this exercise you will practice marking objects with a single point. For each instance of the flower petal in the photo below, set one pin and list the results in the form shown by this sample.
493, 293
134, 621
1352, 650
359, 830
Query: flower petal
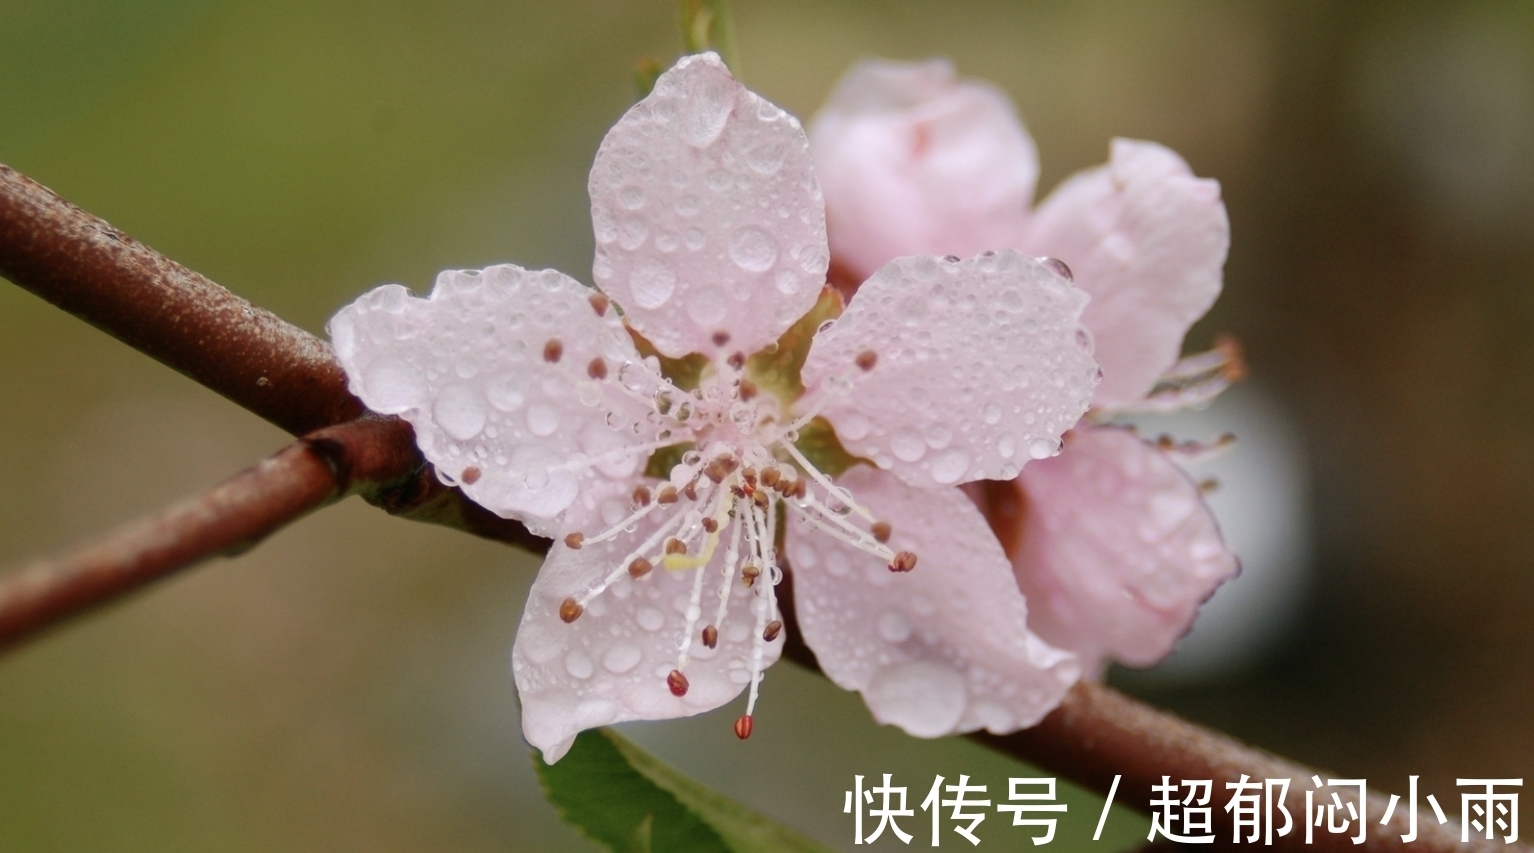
912, 160
707, 215
1147, 240
941, 649
470, 367
611, 664
976, 367
1117, 549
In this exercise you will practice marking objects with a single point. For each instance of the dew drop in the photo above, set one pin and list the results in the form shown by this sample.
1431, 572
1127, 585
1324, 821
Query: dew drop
708, 107
707, 306
393, 384
926, 699
947, 467
579, 665
894, 626
908, 446
1042, 448
542, 420
992, 413
459, 411
753, 249
650, 619
631, 197
621, 658
652, 283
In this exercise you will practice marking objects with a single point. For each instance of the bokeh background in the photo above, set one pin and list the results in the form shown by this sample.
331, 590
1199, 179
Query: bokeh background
345, 685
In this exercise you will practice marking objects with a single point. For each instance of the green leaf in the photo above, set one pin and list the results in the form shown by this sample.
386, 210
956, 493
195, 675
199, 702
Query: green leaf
625, 799
776, 369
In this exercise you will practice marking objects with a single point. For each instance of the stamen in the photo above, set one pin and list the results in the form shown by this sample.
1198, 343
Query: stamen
866, 360
748, 390
710, 525
677, 682
771, 477
749, 574
773, 629
841, 494
727, 572
676, 546
858, 539
627, 564
743, 726
639, 568
553, 350
694, 613
597, 369
737, 360
710, 636
903, 562
570, 610
691, 490
470, 475
642, 496
599, 303
667, 495
721, 338
574, 540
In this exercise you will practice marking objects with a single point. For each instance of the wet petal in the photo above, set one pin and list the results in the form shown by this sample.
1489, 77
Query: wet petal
493, 371
912, 160
976, 367
1117, 549
940, 649
1147, 240
707, 215
611, 663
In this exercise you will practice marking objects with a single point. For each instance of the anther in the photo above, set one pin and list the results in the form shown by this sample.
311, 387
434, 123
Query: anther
903, 562
570, 610
721, 338
770, 477
710, 525
470, 475
667, 495
710, 636
747, 389
774, 628
639, 568
866, 360
574, 540
797, 491
749, 574
677, 682
738, 360
675, 546
743, 726
599, 303
642, 496
1209, 485
553, 350
597, 369
760, 498
691, 490
881, 531
717, 470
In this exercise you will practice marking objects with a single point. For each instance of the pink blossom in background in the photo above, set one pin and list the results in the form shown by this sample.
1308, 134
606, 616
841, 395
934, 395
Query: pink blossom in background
1111, 541
664, 474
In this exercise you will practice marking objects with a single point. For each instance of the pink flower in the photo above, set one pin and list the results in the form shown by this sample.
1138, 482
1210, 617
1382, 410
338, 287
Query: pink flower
1111, 542
707, 403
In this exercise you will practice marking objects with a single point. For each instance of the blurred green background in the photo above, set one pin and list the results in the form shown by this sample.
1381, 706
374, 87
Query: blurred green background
345, 686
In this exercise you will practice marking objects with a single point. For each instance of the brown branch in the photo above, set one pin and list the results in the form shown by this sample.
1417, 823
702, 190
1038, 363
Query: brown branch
153, 304
251, 356
86, 267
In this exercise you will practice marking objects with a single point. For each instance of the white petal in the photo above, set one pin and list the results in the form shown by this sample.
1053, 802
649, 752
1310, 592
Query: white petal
941, 649
610, 664
707, 215
979, 366
541, 441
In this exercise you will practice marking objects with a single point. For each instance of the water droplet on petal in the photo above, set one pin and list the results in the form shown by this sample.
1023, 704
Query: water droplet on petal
708, 108
753, 249
542, 420
652, 283
924, 698
393, 384
578, 664
1042, 448
908, 446
894, 626
992, 413
949, 466
651, 619
621, 658
459, 411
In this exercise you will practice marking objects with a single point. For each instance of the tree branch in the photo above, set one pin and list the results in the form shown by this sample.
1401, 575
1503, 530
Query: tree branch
181, 319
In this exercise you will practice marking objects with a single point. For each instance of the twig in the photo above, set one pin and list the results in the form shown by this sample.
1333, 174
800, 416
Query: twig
251, 356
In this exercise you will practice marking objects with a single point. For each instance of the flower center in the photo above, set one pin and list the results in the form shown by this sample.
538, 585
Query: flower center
726, 492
